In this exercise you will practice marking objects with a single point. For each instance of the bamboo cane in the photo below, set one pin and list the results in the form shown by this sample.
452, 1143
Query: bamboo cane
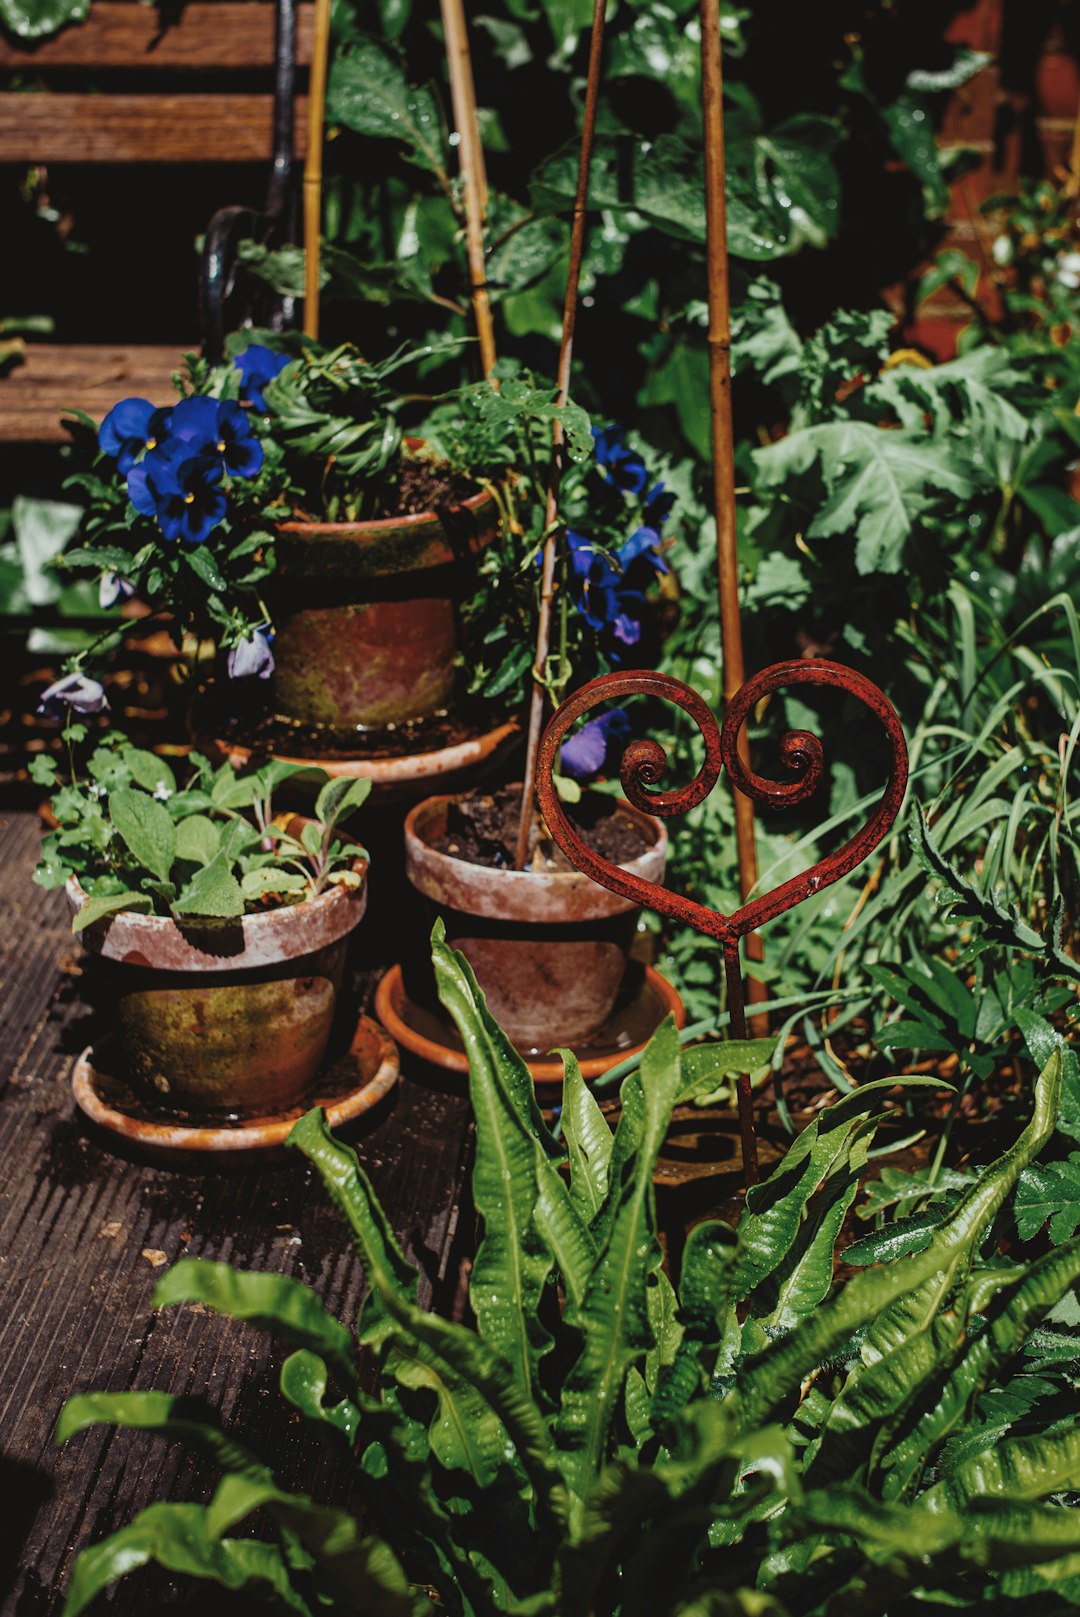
566, 354
723, 435
471, 163
313, 165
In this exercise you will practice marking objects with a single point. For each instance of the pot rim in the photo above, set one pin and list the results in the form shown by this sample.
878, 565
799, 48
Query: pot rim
522, 895
218, 943
376, 525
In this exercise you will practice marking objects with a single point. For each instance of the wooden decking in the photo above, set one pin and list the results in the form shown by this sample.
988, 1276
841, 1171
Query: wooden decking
77, 1219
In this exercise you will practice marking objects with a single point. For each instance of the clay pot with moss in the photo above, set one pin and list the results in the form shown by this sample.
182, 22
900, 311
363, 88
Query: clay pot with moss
548, 945
366, 613
225, 1016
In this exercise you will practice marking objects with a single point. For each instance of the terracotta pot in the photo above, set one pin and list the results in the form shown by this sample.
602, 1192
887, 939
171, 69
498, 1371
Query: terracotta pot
366, 614
225, 1015
549, 950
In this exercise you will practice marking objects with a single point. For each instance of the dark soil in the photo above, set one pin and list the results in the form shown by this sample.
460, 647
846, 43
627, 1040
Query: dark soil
426, 485
482, 830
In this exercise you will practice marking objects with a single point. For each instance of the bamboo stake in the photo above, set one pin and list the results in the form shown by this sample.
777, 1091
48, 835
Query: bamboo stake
723, 436
471, 164
566, 353
313, 165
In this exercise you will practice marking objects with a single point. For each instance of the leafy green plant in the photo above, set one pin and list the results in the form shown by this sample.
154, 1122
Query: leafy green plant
136, 840
756, 1441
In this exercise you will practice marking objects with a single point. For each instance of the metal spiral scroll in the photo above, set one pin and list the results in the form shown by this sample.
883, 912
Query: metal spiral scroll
643, 766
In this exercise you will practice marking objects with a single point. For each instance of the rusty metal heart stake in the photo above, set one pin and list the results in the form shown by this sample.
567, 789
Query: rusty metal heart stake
643, 766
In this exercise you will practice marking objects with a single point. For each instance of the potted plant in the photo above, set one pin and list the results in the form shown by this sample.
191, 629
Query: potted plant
548, 945
747, 1437
217, 929
280, 509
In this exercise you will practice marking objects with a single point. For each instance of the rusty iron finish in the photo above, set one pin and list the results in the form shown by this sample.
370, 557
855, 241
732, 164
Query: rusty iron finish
643, 767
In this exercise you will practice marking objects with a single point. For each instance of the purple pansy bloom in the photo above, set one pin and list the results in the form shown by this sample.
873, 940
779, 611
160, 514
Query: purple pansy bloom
252, 656
217, 427
257, 366
657, 508
620, 464
180, 490
112, 589
130, 427
609, 591
73, 691
585, 754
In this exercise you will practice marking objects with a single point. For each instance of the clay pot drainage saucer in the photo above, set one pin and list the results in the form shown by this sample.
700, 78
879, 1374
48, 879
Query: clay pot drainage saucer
349, 1087
642, 1007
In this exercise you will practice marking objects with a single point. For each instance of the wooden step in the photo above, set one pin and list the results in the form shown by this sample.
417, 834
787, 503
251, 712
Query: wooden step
54, 380
214, 34
61, 128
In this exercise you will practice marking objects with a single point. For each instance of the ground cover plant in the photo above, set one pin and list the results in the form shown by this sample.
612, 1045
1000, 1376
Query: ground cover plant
750, 1440
212, 846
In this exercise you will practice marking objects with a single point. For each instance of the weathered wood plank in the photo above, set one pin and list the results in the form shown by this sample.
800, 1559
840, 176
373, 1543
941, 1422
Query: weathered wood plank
76, 1217
212, 34
55, 379
77, 128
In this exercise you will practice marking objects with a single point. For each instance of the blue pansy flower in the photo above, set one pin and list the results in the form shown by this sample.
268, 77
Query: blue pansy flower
585, 754
252, 656
217, 427
257, 366
132, 426
657, 507
75, 691
609, 590
179, 489
620, 464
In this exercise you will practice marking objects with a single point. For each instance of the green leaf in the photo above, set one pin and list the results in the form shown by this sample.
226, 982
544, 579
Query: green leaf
286, 1308
480, 1404
613, 1316
769, 1378
206, 569
100, 904
369, 93
1051, 1191
588, 1144
148, 770
256, 884
213, 891
146, 828
708, 1265
341, 797
177, 1537
198, 839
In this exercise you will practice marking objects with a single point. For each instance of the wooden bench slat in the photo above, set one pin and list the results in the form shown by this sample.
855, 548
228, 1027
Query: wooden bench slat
60, 128
56, 379
122, 33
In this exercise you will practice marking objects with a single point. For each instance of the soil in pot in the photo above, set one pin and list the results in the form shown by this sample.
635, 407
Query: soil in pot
366, 612
548, 945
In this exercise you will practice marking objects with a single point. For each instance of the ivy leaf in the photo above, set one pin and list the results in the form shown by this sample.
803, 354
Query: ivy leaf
146, 828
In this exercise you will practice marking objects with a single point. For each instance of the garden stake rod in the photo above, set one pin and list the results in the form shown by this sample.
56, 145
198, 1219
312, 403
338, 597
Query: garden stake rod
474, 177
723, 431
566, 354
320, 51
643, 766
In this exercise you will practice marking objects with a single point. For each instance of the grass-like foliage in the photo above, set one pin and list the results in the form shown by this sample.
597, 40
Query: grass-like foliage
757, 1441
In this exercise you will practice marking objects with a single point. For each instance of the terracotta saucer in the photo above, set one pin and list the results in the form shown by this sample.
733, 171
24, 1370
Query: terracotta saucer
646, 1000
350, 1087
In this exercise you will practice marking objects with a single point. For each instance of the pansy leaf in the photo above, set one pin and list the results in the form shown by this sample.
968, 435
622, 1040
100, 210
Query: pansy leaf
146, 827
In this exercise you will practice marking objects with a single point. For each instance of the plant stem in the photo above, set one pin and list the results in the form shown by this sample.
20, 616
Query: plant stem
566, 354
471, 163
313, 166
723, 440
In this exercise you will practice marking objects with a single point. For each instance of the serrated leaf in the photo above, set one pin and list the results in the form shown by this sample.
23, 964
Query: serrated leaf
198, 839
146, 828
213, 891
